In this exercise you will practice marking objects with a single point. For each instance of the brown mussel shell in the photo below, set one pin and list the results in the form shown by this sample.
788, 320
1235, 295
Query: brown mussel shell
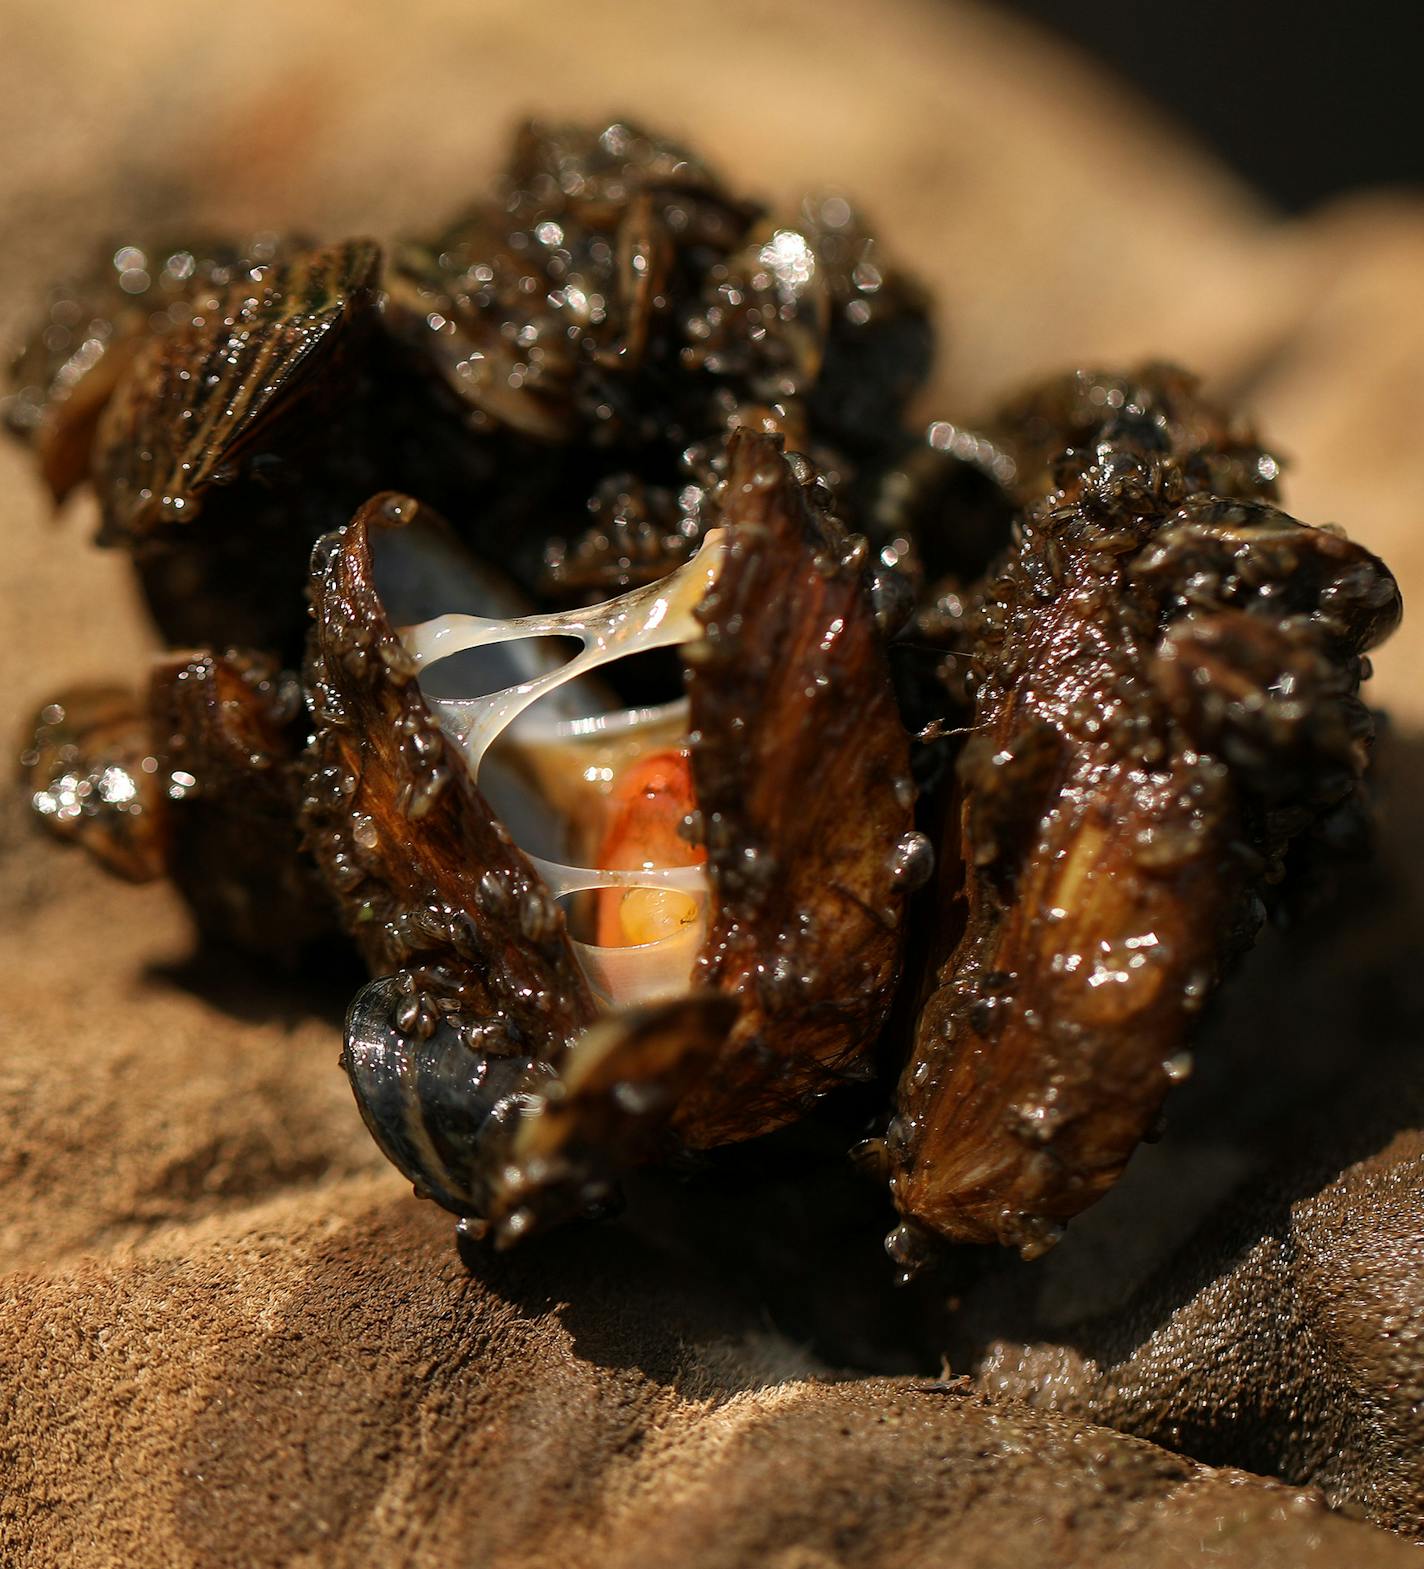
196, 781
802, 781
430, 884
229, 729
64, 376
546, 308
802, 773
615, 299
94, 779
196, 399
1164, 692
209, 458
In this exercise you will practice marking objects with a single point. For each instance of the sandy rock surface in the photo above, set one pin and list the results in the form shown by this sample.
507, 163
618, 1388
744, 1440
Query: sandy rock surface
228, 1335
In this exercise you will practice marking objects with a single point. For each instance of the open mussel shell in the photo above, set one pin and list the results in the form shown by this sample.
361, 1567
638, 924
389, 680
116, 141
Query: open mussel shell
741, 962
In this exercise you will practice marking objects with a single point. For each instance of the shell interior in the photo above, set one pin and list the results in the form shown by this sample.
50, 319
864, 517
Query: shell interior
549, 753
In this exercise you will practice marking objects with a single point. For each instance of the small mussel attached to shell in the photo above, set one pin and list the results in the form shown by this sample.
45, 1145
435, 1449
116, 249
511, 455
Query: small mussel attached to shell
554, 599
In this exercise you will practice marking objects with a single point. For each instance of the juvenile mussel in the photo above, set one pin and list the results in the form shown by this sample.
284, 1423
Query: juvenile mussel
559, 605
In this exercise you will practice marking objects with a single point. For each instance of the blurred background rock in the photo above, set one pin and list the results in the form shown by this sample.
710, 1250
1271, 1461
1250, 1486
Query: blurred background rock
1303, 98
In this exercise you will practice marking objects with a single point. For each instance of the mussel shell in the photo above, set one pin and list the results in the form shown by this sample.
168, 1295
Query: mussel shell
64, 375
613, 1105
195, 401
802, 780
95, 779
810, 309
196, 780
801, 769
1165, 695
236, 437
229, 730
426, 878
436, 1108
538, 308
1049, 435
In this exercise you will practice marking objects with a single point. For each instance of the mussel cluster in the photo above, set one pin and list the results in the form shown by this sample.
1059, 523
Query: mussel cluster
561, 606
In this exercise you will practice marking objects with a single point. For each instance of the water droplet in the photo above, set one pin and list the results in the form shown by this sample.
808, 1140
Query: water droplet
911, 862
1178, 1067
900, 1244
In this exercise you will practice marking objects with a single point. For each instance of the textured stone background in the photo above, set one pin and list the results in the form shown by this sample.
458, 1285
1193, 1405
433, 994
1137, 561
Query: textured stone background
227, 1333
